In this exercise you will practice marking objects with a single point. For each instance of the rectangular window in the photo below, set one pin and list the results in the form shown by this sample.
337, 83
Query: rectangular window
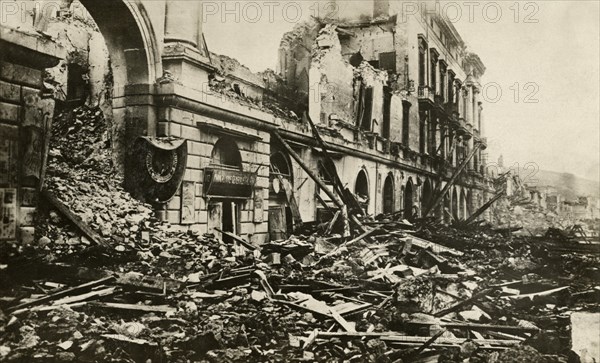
365, 107
422, 62
442, 82
433, 68
387, 61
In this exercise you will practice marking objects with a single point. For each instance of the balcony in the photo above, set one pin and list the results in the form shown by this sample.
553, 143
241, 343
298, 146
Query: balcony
426, 95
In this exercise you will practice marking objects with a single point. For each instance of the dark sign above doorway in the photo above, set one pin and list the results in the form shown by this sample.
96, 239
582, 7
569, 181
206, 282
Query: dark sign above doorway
229, 184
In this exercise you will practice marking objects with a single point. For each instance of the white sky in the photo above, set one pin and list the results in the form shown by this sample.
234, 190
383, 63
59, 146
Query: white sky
551, 49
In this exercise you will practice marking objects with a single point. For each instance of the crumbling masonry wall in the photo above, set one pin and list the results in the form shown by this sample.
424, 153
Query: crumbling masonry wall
26, 111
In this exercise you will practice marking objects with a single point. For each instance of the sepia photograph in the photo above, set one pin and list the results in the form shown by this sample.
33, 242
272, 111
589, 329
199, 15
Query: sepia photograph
349, 181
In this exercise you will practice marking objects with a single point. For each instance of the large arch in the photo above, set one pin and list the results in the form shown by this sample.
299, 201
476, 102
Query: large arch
135, 57
131, 40
388, 195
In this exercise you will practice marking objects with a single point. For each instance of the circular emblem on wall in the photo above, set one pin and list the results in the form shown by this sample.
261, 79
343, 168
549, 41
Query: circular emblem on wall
155, 167
161, 164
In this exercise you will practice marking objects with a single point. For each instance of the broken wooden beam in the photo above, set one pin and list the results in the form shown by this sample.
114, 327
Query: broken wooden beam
437, 198
135, 307
73, 218
63, 293
237, 239
463, 303
395, 337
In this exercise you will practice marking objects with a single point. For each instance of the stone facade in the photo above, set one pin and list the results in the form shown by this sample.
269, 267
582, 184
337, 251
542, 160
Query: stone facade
26, 111
384, 121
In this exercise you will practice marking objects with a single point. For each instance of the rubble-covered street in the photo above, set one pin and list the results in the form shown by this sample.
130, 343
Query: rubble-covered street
372, 181
106, 281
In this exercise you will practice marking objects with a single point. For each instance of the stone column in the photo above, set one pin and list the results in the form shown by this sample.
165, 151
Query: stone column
184, 57
469, 105
182, 22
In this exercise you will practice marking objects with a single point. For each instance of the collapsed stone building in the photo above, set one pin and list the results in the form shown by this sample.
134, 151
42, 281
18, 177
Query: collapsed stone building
214, 147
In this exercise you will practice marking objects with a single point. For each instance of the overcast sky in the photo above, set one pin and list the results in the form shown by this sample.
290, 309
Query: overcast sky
542, 56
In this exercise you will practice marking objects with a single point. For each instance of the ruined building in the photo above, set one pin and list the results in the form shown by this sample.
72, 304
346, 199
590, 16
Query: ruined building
396, 98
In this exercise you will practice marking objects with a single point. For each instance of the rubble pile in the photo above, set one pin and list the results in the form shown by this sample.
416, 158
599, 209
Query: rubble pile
115, 284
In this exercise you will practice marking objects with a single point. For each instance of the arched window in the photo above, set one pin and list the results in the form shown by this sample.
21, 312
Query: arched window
426, 195
280, 164
361, 189
362, 185
408, 199
225, 154
388, 195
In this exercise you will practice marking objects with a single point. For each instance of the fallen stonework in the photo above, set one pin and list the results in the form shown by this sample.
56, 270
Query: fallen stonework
106, 281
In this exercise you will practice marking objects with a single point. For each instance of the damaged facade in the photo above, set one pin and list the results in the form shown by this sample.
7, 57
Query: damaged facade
396, 101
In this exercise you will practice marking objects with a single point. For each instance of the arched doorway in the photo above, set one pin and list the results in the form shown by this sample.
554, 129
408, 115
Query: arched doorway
408, 200
454, 204
281, 197
361, 189
135, 64
388, 195
426, 195
224, 208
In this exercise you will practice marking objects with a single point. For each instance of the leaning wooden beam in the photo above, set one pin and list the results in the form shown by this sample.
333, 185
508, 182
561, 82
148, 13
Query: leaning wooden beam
440, 196
319, 182
73, 218
331, 170
63, 293
483, 208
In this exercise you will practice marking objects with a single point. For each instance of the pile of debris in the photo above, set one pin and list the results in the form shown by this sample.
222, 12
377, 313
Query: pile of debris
109, 282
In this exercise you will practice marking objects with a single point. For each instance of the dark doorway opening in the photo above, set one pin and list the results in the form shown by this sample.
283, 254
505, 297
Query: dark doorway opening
388, 195
408, 201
